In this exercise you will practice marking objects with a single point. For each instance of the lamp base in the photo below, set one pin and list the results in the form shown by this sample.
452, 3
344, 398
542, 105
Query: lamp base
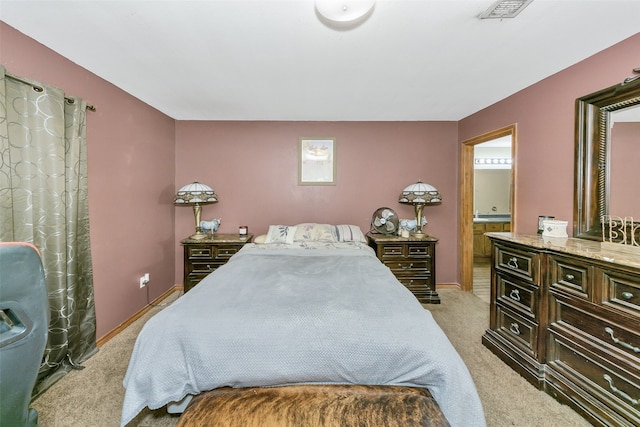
198, 235
418, 234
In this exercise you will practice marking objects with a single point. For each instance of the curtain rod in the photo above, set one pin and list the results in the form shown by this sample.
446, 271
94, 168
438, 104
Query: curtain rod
41, 89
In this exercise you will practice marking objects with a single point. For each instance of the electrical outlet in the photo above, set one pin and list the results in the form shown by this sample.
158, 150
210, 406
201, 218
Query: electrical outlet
144, 280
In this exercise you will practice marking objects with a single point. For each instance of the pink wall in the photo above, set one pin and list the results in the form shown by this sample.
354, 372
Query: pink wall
131, 179
545, 117
253, 168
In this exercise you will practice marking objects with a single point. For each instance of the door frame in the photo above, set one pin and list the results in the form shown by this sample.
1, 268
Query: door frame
466, 198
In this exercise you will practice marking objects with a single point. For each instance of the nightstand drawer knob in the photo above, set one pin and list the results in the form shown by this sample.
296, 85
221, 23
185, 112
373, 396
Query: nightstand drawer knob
515, 295
515, 328
513, 262
569, 277
627, 295
406, 267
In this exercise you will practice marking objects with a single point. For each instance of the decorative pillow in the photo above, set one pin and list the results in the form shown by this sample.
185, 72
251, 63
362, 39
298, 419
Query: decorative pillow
260, 239
280, 234
315, 232
350, 233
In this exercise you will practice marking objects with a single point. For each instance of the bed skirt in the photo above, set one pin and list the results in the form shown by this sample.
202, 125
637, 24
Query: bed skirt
314, 406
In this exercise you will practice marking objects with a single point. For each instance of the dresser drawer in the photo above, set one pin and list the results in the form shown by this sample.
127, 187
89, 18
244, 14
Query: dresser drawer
571, 276
522, 297
521, 263
607, 333
622, 292
518, 330
614, 385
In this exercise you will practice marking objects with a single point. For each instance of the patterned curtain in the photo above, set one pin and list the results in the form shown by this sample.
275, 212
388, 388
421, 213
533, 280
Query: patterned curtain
43, 200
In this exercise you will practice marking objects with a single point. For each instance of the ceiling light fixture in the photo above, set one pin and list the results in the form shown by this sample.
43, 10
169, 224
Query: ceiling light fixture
344, 11
505, 9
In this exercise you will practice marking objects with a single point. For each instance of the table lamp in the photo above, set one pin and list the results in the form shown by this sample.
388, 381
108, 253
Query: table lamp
419, 195
196, 195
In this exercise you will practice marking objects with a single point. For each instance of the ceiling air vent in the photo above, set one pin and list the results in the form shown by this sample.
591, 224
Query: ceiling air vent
505, 9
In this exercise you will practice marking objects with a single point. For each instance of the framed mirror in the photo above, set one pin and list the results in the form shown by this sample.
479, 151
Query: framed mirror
607, 167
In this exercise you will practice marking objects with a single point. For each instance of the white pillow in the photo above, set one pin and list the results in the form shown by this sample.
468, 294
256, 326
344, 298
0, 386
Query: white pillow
280, 234
315, 232
350, 233
260, 239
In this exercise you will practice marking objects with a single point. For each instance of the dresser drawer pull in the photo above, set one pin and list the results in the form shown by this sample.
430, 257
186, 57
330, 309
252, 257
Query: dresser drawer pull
513, 262
619, 342
569, 277
514, 295
620, 393
627, 295
515, 328
406, 267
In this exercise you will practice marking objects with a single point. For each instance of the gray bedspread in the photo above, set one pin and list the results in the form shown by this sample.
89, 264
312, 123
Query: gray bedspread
286, 314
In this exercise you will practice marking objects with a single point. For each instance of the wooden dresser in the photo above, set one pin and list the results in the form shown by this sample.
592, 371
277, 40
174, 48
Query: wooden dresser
411, 260
203, 256
565, 314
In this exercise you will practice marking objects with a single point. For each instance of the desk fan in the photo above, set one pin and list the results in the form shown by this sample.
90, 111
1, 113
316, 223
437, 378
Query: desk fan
384, 221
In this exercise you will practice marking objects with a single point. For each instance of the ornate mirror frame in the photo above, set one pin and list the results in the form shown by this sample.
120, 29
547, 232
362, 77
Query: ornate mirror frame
591, 196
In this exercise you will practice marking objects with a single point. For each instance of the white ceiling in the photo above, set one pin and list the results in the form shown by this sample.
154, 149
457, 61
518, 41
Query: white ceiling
276, 60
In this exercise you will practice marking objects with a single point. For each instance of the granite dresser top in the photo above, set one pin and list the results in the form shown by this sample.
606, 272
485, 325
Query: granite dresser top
586, 248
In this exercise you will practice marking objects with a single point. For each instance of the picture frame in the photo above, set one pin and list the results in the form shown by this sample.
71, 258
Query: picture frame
317, 161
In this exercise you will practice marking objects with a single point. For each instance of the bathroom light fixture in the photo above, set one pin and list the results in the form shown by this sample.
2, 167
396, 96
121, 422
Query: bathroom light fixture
344, 10
196, 195
419, 195
505, 9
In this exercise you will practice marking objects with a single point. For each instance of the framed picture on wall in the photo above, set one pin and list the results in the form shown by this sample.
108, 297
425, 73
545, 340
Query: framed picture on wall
317, 161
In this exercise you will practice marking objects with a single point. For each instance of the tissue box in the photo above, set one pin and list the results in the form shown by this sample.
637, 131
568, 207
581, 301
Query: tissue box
555, 228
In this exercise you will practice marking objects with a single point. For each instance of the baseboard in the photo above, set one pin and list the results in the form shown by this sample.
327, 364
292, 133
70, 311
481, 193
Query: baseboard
101, 341
448, 286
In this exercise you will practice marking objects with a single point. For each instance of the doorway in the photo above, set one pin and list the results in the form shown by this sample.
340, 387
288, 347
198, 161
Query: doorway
468, 210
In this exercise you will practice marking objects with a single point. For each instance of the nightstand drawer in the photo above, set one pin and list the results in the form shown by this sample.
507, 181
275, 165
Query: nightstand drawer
199, 252
419, 251
205, 267
226, 251
392, 251
410, 267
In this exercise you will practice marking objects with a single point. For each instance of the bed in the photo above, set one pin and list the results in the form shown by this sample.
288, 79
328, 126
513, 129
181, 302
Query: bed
310, 306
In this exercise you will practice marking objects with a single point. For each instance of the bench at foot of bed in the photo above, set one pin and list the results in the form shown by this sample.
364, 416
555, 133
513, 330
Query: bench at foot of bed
314, 406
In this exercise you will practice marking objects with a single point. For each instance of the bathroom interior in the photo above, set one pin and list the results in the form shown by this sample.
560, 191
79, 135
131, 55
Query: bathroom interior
491, 205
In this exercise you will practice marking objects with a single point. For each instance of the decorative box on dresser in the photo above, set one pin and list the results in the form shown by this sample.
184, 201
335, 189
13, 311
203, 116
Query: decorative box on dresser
577, 330
203, 256
412, 260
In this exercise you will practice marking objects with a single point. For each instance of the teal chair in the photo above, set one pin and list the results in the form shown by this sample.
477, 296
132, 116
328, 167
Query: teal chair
24, 320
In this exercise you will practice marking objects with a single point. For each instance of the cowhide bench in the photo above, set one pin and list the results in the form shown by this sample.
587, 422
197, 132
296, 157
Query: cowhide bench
314, 406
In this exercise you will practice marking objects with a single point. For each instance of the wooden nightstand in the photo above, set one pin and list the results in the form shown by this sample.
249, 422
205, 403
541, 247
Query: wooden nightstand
411, 260
203, 256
